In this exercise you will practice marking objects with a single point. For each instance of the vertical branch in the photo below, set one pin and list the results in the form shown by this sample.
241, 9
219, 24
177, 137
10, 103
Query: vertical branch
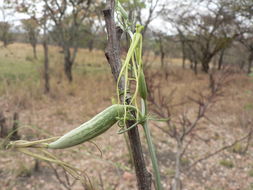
14, 133
46, 57
112, 54
3, 126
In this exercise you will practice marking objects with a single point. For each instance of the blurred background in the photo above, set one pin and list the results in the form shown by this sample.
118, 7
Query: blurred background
197, 57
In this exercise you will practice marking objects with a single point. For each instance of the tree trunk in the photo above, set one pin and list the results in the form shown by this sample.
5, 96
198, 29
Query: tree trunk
183, 56
46, 67
68, 64
90, 44
3, 126
5, 43
205, 61
183, 62
46, 60
14, 135
177, 182
34, 51
195, 67
250, 62
241, 65
162, 53
221, 59
191, 65
162, 59
205, 66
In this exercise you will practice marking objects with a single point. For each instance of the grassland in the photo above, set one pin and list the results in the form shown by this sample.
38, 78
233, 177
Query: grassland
93, 89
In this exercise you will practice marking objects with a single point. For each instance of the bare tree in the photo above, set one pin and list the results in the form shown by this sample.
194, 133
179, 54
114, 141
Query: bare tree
183, 127
5, 26
91, 27
39, 21
160, 38
32, 28
68, 16
152, 6
5, 34
203, 33
244, 14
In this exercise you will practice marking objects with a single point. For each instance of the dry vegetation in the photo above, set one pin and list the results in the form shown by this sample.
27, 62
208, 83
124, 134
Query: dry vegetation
93, 89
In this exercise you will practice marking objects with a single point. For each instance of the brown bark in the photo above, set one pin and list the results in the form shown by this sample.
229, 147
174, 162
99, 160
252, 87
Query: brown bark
68, 34
220, 63
250, 62
162, 53
46, 59
68, 64
195, 67
14, 135
3, 126
34, 51
183, 54
46, 68
112, 54
90, 45
205, 63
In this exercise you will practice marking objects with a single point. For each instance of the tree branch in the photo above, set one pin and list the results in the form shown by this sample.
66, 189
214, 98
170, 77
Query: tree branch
112, 54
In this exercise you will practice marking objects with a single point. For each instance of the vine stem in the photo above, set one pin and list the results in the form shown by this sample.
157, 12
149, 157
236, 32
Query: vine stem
151, 147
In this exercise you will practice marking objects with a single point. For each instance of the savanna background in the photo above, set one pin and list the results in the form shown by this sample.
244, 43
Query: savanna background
197, 59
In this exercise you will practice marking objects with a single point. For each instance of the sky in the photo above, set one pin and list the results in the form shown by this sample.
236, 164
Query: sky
13, 16
10, 15
157, 23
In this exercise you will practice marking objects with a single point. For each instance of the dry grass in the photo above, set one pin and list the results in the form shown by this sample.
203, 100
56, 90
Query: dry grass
69, 105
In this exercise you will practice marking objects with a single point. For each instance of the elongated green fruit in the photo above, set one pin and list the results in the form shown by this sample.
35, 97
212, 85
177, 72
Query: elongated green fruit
142, 86
92, 128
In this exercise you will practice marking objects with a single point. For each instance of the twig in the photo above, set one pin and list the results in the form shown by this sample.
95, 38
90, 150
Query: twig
218, 151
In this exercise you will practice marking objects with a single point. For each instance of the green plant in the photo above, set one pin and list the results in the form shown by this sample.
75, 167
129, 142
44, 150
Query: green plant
170, 172
185, 161
94, 127
238, 148
133, 108
251, 173
132, 71
227, 163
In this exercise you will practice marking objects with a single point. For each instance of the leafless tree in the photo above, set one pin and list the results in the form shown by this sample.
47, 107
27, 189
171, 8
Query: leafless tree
203, 34
39, 21
32, 28
5, 28
183, 127
5, 34
44, 21
68, 16
244, 14
160, 40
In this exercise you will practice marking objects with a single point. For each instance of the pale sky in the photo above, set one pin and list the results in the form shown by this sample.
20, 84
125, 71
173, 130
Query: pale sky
157, 23
13, 16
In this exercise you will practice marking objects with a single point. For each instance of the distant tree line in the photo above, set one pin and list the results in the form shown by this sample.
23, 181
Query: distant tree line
204, 33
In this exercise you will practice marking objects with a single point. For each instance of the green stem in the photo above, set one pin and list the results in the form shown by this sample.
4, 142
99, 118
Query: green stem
151, 147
